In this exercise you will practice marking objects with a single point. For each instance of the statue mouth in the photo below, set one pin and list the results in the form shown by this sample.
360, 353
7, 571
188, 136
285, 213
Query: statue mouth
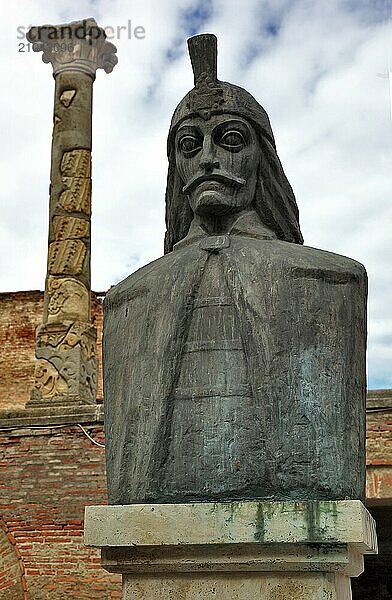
219, 176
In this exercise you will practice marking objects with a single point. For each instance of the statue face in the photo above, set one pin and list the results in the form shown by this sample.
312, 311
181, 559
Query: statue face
218, 163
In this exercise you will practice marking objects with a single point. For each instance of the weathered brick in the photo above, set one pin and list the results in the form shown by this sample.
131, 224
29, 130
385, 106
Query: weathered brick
45, 521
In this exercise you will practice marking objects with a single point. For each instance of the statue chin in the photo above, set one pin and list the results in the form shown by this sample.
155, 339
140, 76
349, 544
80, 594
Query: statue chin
211, 203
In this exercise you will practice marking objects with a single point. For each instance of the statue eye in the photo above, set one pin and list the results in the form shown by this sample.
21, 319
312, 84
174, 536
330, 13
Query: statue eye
188, 144
232, 140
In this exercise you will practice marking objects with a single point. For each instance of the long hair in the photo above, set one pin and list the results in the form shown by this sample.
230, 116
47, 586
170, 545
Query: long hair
274, 199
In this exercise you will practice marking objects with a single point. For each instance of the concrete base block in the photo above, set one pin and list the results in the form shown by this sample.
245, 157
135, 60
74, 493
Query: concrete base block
235, 551
229, 586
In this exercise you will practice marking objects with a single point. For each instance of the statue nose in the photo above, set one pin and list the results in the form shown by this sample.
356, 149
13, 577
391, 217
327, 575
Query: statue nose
209, 164
208, 161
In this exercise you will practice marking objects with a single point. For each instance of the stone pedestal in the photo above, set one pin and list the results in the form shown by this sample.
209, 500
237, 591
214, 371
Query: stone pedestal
234, 551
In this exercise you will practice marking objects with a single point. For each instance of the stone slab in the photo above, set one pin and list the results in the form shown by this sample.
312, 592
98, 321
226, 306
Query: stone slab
55, 415
234, 551
247, 522
227, 586
243, 558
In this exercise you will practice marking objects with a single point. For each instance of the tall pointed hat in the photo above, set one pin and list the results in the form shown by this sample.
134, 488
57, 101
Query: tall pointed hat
274, 200
211, 96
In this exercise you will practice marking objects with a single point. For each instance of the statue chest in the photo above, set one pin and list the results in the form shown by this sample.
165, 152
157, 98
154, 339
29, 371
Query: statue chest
213, 360
214, 415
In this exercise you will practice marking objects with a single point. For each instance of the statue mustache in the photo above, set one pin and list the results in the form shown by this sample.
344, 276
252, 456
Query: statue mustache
213, 176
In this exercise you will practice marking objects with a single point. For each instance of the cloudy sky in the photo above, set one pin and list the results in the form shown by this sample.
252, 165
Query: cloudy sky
320, 69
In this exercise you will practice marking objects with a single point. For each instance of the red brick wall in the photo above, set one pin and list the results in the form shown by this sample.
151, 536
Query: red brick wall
12, 575
48, 476
379, 455
20, 314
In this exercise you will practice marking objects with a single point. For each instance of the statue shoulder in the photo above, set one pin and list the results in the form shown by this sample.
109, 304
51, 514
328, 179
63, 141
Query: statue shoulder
314, 258
157, 278
304, 261
140, 282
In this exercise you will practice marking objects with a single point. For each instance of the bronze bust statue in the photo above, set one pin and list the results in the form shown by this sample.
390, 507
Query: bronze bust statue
234, 366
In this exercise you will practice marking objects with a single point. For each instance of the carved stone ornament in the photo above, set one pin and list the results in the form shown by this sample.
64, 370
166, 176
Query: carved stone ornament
77, 195
48, 381
65, 336
69, 228
76, 163
68, 300
76, 178
78, 46
66, 257
51, 334
82, 334
68, 372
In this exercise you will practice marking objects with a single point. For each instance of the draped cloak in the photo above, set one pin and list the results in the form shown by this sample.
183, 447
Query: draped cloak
301, 314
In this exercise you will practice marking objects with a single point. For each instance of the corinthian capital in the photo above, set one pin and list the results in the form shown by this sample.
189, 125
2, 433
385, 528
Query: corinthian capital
76, 46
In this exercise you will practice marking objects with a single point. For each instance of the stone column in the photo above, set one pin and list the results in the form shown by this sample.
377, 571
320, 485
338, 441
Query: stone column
246, 550
67, 366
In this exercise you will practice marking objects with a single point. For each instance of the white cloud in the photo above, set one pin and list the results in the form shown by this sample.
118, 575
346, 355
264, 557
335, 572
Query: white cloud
315, 67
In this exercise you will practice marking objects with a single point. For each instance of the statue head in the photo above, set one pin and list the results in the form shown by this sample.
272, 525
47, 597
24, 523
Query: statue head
222, 155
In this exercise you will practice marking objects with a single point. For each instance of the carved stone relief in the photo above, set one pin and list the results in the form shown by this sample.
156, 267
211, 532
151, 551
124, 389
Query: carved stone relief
77, 195
67, 363
76, 178
66, 257
68, 300
48, 381
51, 334
64, 336
76, 163
68, 228
83, 334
